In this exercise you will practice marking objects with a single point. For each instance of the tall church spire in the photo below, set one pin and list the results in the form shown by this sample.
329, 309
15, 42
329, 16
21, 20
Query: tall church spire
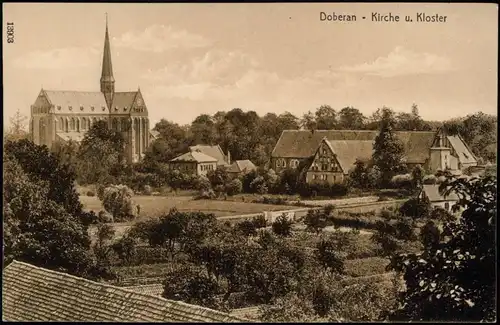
107, 79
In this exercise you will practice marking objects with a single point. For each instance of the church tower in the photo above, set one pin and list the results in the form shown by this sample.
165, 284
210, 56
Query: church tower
107, 79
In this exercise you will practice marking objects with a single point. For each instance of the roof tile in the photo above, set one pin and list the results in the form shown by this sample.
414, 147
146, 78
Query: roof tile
32, 293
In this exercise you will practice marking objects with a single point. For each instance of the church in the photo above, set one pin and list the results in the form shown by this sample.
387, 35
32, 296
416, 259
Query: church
61, 116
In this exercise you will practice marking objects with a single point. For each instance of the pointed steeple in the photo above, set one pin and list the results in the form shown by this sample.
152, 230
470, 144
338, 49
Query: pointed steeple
107, 79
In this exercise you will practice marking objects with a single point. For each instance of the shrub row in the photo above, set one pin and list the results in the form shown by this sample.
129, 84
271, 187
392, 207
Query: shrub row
366, 266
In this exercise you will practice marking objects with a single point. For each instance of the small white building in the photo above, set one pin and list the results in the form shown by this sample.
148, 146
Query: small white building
438, 200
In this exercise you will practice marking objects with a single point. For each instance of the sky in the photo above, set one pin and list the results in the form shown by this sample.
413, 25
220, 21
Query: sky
192, 59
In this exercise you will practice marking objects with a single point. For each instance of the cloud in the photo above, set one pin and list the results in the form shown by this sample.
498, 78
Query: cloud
403, 62
214, 67
59, 59
160, 38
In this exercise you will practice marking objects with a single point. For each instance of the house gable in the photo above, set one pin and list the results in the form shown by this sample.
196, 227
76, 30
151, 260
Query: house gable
325, 159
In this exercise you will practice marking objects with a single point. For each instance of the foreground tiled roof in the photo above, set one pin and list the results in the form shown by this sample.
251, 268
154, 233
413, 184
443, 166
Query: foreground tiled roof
35, 294
150, 289
303, 143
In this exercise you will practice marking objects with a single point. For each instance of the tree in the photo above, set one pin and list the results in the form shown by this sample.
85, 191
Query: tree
316, 220
416, 207
308, 121
40, 165
234, 187
101, 156
102, 247
454, 280
39, 230
417, 176
388, 150
328, 256
17, 129
282, 226
358, 176
67, 153
117, 200
351, 118
326, 118
126, 249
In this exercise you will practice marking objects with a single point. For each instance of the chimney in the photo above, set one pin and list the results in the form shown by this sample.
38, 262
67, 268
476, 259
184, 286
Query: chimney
228, 158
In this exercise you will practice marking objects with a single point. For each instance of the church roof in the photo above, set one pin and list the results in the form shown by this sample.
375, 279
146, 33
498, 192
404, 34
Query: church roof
67, 136
212, 151
123, 102
303, 143
31, 293
194, 156
107, 67
72, 102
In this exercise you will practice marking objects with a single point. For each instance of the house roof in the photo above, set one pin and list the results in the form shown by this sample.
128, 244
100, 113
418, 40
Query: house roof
32, 293
239, 166
347, 151
150, 289
212, 151
71, 102
194, 156
432, 192
464, 154
303, 143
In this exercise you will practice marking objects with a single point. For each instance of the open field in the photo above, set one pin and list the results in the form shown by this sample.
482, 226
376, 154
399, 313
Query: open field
153, 206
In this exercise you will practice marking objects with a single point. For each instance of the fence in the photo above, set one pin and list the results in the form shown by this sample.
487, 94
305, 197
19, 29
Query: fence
297, 214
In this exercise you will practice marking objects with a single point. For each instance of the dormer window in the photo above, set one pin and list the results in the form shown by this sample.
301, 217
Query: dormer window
103, 108
70, 108
125, 108
58, 108
116, 108
92, 108
81, 108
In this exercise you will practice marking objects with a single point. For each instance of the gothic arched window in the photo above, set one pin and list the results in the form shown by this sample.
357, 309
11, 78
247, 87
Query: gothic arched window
72, 124
84, 123
114, 124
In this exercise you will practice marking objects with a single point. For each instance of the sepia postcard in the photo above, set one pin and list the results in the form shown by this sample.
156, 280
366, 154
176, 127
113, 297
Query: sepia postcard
249, 162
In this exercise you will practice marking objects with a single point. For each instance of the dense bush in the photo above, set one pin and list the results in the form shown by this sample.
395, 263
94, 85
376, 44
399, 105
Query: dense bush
206, 195
430, 179
117, 200
247, 228
366, 266
282, 226
323, 189
402, 181
234, 187
416, 207
105, 217
260, 221
148, 190
272, 200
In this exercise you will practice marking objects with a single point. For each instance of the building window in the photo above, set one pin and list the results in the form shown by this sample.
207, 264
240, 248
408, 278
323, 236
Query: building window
324, 177
315, 176
81, 108
334, 178
58, 108
125, 108
92, 108
447, 206
103, 108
